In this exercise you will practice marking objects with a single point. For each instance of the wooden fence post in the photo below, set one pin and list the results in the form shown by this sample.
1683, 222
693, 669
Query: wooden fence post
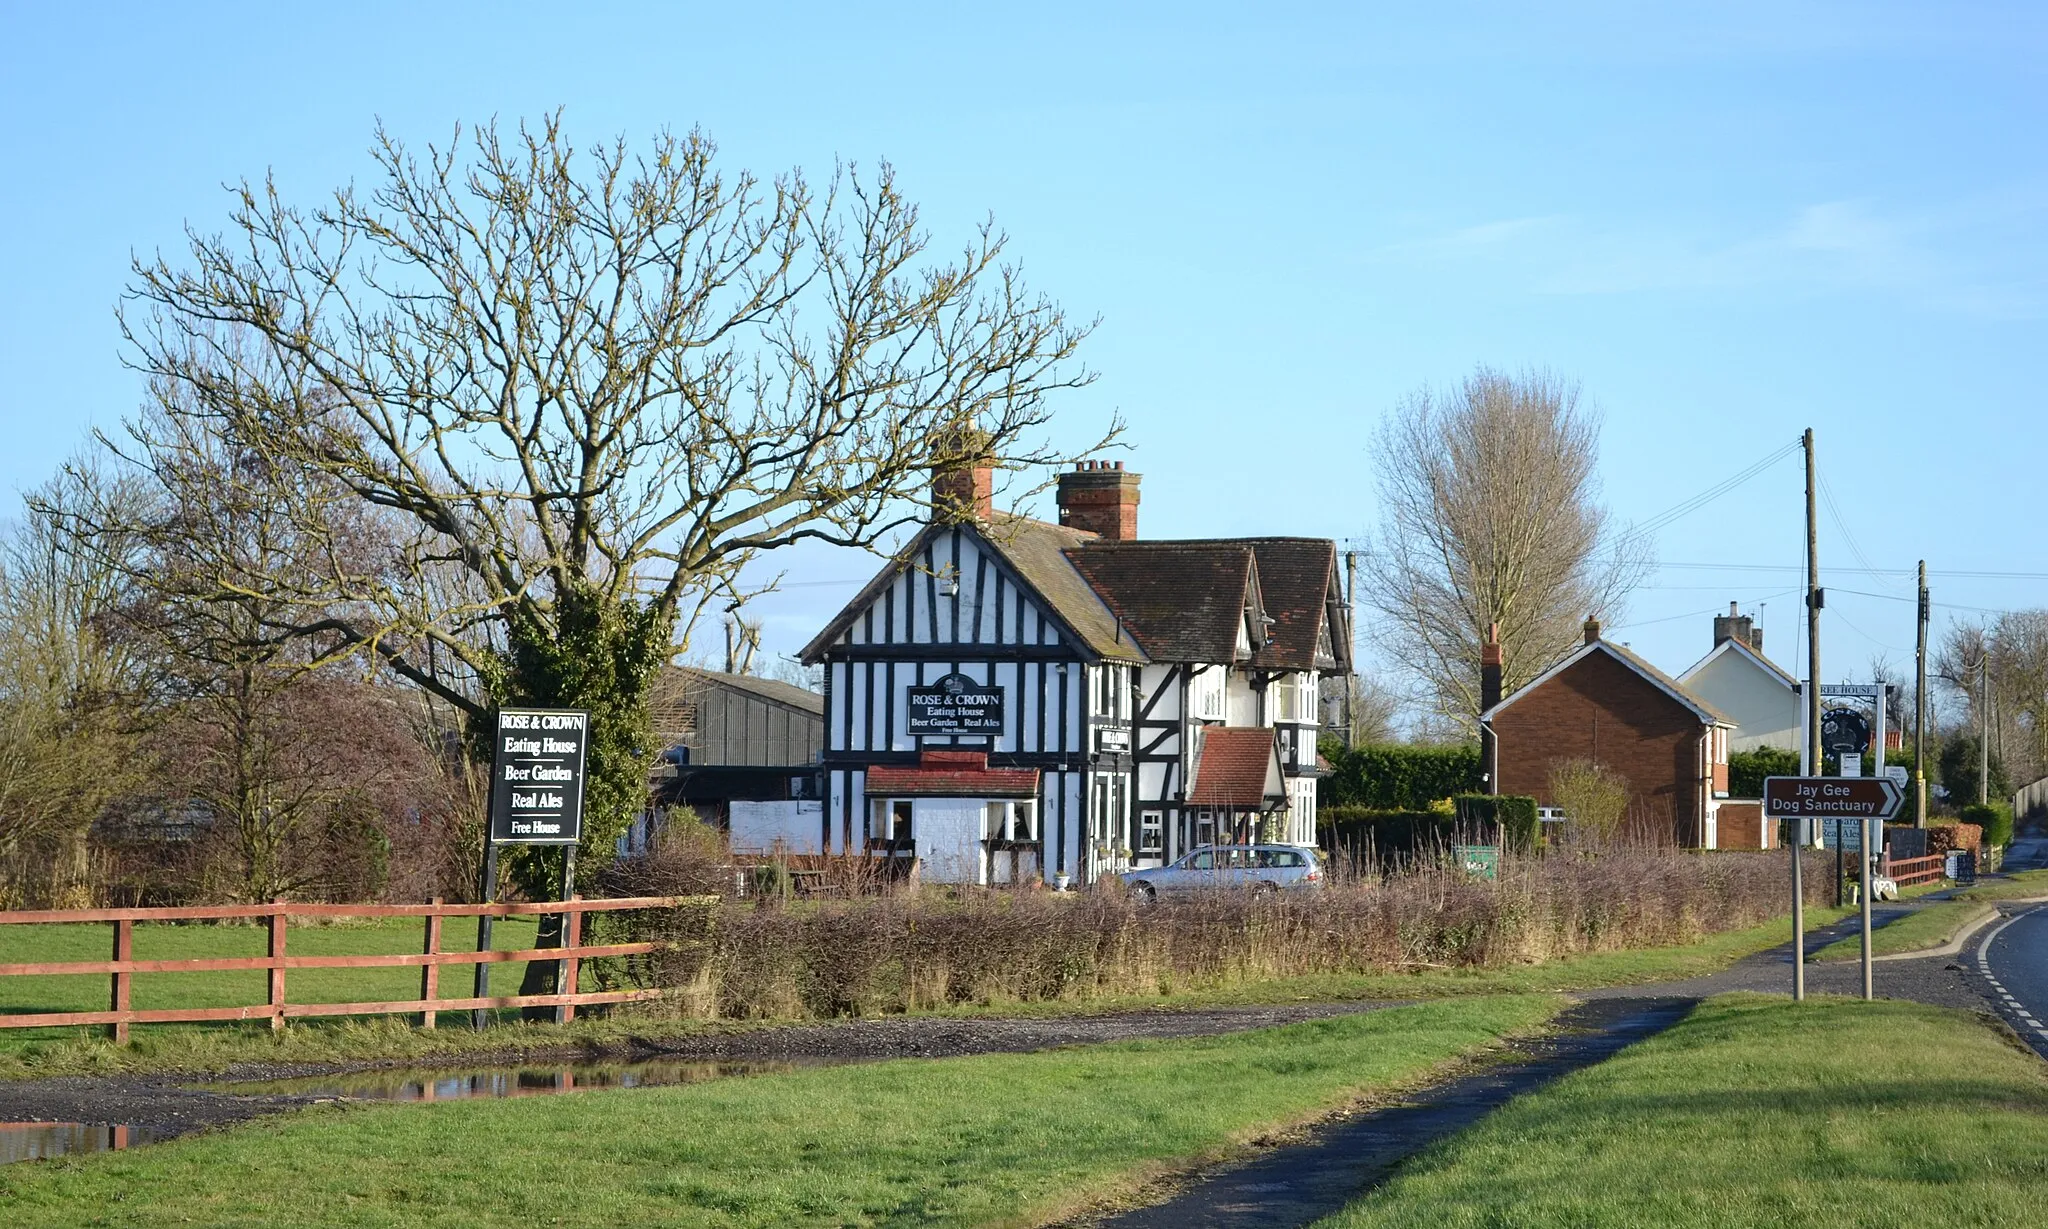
565, 970
276, 923
124, 949
430, 973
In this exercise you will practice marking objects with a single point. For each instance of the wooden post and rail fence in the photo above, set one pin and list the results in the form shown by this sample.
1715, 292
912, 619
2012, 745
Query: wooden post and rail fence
123, 967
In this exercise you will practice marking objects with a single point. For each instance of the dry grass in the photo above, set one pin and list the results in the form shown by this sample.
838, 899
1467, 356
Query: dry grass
919, 951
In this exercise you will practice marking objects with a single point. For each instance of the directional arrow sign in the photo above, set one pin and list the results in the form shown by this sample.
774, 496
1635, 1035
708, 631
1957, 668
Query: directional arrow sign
1832, 797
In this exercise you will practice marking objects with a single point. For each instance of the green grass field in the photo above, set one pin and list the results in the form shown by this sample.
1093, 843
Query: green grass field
967, 1141
36, 1052
1762, 1112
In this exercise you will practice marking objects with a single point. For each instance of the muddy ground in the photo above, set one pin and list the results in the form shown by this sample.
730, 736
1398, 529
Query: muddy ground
163, 1105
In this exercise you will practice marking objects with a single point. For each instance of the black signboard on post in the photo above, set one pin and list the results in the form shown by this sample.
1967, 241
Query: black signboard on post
537, 776
955, 704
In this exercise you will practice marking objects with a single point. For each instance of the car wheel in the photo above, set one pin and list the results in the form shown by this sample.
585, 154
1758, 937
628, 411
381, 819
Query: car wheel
1144, 891
1262, 888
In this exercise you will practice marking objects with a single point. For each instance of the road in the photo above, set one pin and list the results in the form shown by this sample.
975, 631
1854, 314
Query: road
2012, 956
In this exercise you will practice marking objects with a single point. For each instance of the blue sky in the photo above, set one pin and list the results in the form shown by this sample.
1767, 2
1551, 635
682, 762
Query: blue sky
1730, 224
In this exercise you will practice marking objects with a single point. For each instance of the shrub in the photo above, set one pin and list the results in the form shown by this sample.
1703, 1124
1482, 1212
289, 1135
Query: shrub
1515, 813
1393, 777
1995, 818
1592, 796
1747, 769
908, 951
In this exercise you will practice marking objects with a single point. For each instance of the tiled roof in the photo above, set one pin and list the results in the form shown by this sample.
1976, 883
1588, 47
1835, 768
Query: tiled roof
1670, 686
1234, 768
1155, 600
1182, 601
1039, 553
1296, 576
950, 774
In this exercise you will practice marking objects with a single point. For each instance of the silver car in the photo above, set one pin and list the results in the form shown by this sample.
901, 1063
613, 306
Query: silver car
1261, 868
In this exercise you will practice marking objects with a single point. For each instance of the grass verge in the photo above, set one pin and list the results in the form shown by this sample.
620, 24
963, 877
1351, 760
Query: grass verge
967, 1141
1756, 1111
215, 1048
1939, 923
1924, 928
2016, 886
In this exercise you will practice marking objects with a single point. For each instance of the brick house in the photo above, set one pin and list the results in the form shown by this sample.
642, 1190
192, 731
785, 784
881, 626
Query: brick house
1605, 704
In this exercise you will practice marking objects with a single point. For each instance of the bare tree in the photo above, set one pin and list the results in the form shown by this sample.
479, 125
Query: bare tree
68, 699
1490, 515
1374, 706
2012, 651
587, 387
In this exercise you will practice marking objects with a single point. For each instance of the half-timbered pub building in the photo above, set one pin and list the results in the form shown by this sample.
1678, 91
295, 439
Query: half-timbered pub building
1011, 700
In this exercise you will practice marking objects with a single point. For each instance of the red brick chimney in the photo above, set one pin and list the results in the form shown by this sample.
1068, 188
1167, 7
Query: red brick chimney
963, 476
1489, 668
1101, 498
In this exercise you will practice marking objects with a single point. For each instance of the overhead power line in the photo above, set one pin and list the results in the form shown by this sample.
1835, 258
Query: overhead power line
1687, 507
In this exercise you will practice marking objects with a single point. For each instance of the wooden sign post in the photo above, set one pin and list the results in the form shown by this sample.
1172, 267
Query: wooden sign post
536, 799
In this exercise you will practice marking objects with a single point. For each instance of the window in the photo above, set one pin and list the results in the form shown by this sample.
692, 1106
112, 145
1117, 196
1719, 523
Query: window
1205, 827
1107, 691
1151, 832
1286, 700
1024, 821
1201, 861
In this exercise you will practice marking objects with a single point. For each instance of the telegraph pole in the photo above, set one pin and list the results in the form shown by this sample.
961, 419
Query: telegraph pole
1813, 600
1983, 723
1351, 618
1920, 709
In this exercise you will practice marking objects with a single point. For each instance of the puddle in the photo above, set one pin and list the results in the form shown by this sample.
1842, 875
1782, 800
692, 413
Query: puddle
39, 1141
457, 1084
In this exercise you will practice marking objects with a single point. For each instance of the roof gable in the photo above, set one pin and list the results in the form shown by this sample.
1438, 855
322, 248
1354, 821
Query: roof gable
1029, 554
1737, 649
1663, 682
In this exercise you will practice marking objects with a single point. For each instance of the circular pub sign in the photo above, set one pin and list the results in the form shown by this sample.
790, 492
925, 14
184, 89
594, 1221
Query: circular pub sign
1844, 729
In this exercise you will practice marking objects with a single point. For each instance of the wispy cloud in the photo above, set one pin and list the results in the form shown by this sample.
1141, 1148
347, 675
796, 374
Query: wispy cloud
1981, 258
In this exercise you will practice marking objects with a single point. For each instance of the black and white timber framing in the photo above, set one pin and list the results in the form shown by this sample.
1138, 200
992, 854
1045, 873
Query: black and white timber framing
1111, 659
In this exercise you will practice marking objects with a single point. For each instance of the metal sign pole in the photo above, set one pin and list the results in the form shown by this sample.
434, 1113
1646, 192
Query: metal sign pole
1798, 915
1863, 855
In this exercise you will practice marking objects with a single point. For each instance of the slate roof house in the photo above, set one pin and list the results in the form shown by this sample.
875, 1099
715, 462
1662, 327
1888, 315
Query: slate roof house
1010, 699
1737, 679
1605, 704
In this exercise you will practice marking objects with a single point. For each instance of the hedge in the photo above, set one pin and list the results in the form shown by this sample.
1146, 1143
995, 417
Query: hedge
1515, 813
1354, 830
1393, 777
1995, 818
1747, 769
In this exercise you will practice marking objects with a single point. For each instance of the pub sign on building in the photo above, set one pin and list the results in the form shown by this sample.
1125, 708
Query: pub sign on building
1010, 700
